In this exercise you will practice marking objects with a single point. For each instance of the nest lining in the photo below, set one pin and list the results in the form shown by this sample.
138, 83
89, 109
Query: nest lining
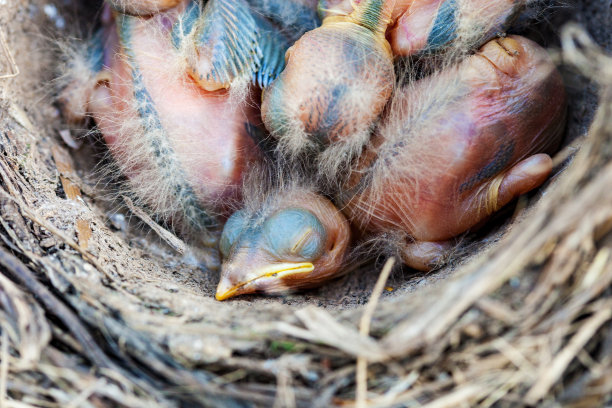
94, 313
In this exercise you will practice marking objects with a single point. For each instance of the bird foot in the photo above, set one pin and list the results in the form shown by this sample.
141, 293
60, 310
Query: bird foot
525, 176
425, 255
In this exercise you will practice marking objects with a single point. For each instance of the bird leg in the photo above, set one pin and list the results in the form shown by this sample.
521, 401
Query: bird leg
523, 177
425, 255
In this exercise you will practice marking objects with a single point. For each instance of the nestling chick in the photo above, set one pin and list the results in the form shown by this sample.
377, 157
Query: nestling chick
336, 83
183, 149
457, 147
289, 239
428, 26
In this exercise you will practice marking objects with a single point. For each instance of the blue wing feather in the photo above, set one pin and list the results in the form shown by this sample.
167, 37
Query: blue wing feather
228, 28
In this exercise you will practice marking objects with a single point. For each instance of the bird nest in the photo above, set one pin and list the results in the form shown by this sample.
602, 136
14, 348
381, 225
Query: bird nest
99, 306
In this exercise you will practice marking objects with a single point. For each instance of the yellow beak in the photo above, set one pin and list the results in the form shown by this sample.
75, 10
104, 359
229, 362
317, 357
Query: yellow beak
267, 279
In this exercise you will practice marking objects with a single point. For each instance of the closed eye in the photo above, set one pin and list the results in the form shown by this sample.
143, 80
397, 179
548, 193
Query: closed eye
301, 242
295, 233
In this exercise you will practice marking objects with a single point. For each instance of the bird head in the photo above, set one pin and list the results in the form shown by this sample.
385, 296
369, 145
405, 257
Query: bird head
298, 242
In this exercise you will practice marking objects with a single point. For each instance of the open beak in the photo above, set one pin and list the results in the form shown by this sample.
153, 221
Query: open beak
268, 279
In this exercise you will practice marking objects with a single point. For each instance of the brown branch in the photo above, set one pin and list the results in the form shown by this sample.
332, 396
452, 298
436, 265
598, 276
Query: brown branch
26, 277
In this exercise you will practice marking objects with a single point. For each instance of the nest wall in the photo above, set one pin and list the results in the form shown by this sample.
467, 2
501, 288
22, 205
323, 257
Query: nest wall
101, 307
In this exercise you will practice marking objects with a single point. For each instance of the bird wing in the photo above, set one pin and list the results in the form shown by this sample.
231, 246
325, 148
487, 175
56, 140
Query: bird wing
295, 17
273, 45
229, 34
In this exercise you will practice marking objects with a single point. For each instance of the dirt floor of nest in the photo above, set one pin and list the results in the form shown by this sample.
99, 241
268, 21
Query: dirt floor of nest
97, 310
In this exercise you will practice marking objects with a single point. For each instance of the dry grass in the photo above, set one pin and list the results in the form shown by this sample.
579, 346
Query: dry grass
93, 314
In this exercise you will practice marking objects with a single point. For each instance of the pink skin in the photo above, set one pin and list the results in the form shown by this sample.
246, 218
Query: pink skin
336, 83
477, 155
411, 29
206, 130
142, 7
412, 20
341, 7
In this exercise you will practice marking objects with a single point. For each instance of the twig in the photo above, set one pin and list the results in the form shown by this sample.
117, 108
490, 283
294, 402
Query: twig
285, 397
323, 328
85, 394
364, 330
168, 237
552, 372
464, 396
581, 51
23, 274
568, 151
13, 65
67, 240
4, 367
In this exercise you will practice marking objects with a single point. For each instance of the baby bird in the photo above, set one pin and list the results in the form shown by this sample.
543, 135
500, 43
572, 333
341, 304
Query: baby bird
458, 146
452, 149
182, 148
285, 239
336, 83
428, 26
